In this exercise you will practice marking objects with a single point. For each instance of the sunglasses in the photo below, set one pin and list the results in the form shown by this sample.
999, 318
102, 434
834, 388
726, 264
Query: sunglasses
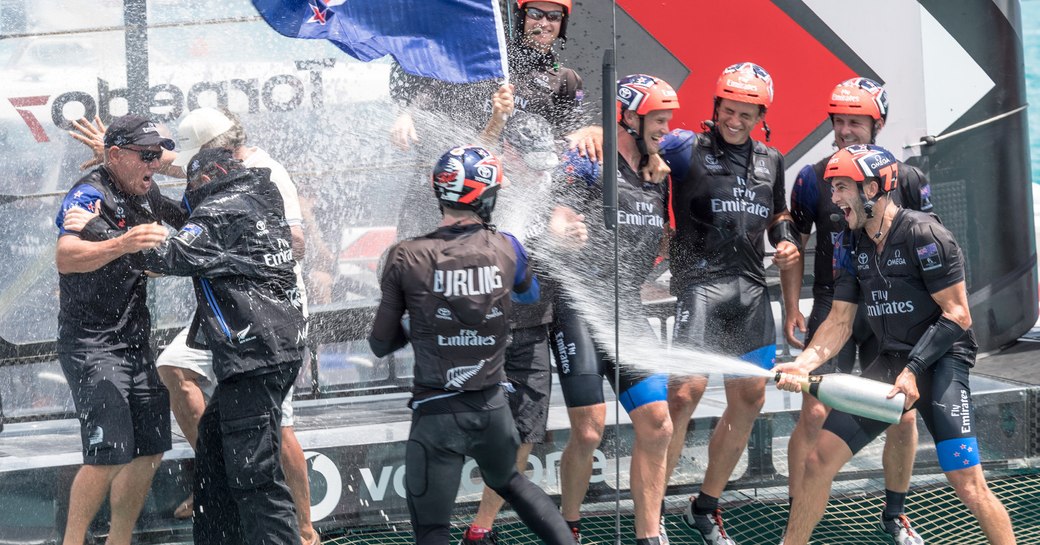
536, 14
147, 155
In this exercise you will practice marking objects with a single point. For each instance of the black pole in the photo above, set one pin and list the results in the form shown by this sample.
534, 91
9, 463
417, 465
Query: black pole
610, 199
609, 141
135, 17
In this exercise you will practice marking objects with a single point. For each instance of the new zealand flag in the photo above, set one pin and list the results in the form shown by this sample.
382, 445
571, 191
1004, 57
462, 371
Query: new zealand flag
458, 41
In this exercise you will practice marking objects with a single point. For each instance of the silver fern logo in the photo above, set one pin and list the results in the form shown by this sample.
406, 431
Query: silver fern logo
457, 376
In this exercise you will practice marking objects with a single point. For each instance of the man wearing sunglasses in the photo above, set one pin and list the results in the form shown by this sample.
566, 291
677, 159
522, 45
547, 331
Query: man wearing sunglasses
104, 326
188, 372
538, 84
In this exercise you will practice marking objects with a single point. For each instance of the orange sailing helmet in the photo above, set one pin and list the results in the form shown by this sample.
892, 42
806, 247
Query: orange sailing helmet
864, 162
746, 82
859, 96
565, 3
643, 94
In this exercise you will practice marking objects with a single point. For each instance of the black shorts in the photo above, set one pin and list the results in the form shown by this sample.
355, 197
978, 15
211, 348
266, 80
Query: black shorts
582, 366
123, 407
862, 342
945, 406
730, 316
528, 370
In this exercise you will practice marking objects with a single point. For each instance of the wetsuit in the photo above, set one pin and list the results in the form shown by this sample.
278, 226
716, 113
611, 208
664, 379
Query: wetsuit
895, 286
455, 284
543, 87
582, 364
811, 204
723, 199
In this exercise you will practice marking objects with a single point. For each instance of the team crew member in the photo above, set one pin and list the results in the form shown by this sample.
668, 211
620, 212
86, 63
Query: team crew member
455, 285
104, 327
539, 84
858, 109
645, 105
728, 191
530, 157
188, 372
907, 269
236, 245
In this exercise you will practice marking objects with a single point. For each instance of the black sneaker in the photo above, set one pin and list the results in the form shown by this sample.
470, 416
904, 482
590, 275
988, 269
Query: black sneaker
901, 531
577, 536
490, 538
709, 526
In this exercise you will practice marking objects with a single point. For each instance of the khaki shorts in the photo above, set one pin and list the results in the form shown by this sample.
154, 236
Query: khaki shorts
179, 354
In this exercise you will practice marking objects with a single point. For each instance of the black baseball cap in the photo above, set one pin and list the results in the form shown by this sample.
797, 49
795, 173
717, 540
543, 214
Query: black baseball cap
135, 130
220, 159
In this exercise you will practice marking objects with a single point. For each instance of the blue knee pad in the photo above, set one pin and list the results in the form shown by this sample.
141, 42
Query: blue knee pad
649, 390
957, 453
764, 357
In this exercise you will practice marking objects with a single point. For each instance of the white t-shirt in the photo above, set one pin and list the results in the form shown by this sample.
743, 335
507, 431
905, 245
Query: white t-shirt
259, 158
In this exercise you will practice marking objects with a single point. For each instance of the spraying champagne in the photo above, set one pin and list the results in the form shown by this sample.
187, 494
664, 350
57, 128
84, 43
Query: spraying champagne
854, 395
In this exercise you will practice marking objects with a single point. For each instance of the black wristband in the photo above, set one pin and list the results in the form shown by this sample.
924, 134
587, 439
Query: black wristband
935, 342
785, 230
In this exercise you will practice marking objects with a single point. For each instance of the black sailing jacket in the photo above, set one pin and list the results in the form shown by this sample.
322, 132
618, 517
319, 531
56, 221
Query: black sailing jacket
238, 248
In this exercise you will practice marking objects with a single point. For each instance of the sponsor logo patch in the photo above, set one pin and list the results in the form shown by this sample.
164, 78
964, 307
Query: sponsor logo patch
189, 233
897, 259
929, 257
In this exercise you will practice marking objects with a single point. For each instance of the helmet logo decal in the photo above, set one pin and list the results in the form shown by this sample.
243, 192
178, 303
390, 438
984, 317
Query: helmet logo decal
468, 178
746, 82
859, 96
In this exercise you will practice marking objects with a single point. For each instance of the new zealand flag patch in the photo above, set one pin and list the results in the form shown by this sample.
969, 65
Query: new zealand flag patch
189, 233
929, 257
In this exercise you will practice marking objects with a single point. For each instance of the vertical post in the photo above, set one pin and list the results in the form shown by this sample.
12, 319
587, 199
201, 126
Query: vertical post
609, 140
135, 18
610, 199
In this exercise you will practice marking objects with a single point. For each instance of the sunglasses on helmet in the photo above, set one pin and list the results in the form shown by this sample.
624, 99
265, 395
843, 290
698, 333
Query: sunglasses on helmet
147, 155
536, 14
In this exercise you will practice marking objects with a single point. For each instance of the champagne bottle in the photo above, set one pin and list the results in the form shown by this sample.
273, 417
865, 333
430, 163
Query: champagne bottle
854, 395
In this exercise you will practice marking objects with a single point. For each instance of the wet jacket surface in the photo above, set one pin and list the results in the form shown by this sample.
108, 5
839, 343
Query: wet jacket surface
237, 247
641, 217
723, 199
